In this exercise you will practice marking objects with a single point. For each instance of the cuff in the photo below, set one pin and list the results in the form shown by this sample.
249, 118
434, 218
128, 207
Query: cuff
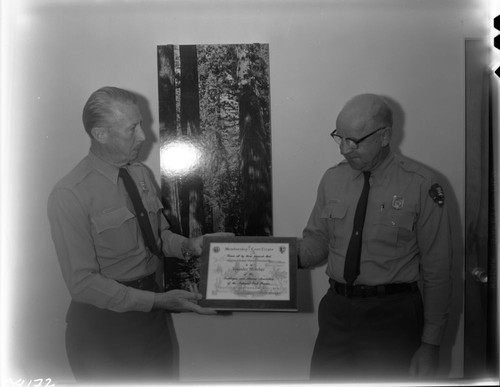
172, 245
432, 334
140, 300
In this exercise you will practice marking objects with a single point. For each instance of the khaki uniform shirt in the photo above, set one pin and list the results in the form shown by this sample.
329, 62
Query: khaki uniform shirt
406, 235
98, 239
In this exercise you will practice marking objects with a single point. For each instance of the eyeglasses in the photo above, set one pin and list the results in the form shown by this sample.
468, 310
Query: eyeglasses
352, 142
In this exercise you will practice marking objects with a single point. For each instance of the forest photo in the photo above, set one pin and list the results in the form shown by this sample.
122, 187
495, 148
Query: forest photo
215, 133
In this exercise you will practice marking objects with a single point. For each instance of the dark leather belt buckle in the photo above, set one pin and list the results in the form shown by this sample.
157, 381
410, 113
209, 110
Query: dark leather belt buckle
348, 291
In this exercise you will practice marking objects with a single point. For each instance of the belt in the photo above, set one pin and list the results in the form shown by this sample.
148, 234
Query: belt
370, 291
144, 283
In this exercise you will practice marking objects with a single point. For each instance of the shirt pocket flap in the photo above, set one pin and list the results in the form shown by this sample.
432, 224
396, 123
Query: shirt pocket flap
112, 219
334, 210
153, 204
403, 219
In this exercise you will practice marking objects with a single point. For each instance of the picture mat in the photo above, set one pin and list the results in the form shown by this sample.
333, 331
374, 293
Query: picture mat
247, 255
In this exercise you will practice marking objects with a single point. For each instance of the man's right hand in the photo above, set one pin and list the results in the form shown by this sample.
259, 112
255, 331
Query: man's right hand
178, 300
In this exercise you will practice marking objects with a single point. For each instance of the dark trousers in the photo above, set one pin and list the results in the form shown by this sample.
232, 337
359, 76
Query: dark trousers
367, 337
105, 346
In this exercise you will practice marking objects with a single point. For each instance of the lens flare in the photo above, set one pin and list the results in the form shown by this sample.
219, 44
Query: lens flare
179, 158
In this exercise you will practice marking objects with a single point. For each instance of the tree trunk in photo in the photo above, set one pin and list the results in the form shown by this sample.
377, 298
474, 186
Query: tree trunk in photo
255, 160
191, 189
168, 130
166, 89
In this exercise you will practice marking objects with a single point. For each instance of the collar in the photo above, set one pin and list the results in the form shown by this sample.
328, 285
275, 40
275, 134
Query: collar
380, 172
384, 168
104, 168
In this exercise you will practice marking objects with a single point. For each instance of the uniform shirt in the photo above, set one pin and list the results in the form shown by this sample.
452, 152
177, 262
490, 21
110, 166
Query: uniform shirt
405, 237
98, 239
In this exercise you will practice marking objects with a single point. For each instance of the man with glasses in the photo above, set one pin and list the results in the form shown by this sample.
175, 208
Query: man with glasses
380, 222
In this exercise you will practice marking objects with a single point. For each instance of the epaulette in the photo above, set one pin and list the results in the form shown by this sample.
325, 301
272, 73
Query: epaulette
414, 167
436, 192
75, 176
343, 163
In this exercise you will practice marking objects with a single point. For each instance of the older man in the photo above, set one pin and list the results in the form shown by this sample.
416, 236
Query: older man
110, 234
380, 221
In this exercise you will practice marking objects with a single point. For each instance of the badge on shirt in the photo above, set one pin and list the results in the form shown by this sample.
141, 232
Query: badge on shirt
398, 202
143, 186
437, 194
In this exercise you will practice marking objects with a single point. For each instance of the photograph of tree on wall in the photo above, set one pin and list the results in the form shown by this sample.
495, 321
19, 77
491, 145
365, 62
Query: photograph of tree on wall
215, 133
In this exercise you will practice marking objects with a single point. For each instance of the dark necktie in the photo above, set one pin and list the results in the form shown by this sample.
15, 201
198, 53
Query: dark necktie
140, 212
351, 268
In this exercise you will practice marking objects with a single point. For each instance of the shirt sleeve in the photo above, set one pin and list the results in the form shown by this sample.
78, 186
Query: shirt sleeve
172, 243
70, 228
434, 240
313, 249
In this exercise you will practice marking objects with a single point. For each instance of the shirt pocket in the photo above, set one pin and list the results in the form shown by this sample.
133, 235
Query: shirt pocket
390, 232
334, 214
115, 232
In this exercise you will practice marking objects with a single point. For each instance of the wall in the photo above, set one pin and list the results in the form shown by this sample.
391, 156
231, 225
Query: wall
322, 53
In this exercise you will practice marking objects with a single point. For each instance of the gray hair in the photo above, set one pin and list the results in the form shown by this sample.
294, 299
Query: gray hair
100, 106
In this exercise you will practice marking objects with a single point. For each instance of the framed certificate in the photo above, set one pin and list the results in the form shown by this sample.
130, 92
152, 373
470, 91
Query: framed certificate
249, 273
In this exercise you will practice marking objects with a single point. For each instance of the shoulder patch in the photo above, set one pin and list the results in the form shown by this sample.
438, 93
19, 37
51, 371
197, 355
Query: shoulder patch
437, 194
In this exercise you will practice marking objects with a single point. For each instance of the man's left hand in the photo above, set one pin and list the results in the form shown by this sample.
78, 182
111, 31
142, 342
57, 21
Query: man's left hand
194, 246
425, 361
